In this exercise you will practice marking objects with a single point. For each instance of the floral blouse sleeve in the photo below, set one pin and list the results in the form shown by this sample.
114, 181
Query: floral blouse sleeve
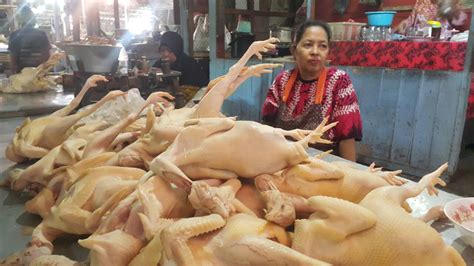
346, 111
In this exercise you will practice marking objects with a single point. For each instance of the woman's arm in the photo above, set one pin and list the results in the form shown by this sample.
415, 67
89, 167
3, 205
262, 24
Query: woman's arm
347, 149
347, 113
272, 101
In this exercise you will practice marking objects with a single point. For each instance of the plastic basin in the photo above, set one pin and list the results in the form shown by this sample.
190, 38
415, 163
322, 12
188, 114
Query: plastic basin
380, 18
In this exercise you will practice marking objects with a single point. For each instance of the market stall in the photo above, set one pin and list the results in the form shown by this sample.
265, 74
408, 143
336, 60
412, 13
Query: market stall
421, 88
142, 177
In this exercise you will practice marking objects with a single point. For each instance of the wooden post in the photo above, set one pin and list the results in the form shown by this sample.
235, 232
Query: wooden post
212, 31
75, 10
216, 30
58, 26
184, 12
92, 18
190, 24
220, 12
251, 7
116, 14
176, 11
67, 17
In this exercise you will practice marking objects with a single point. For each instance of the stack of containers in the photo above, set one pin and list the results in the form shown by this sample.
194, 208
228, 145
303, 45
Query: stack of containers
346, 31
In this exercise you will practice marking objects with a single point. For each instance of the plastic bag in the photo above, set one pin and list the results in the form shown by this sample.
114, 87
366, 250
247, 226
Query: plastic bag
117, 109
201, 34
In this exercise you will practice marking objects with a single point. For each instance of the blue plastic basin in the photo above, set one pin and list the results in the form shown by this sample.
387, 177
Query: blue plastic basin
380, 18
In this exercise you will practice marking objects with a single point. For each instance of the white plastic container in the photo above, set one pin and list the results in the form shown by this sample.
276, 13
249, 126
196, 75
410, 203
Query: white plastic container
345, 31
461, 213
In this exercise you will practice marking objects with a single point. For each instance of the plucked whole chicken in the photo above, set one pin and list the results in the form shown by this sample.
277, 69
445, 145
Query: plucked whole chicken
33, 79
154, 185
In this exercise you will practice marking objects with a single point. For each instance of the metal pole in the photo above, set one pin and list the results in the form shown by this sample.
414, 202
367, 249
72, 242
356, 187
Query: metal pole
309, 9
76, 19
213, 30
92, 17
58, 26
116, 14
125, 11
67, 17
183, 15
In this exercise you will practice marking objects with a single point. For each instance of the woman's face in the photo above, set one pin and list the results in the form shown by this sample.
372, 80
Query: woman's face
167, 54
311, 52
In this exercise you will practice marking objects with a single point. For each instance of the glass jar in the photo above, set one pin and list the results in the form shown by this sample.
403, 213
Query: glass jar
364, 33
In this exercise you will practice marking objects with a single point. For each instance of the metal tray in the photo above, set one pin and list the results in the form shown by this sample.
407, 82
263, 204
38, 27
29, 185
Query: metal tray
92, 58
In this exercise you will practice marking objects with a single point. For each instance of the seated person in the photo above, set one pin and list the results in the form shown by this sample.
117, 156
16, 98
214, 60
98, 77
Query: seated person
301, 97
447, 12
29, 47
171, 50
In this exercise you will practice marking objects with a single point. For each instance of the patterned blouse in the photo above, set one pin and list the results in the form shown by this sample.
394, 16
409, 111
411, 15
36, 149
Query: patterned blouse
339, 102
423, 11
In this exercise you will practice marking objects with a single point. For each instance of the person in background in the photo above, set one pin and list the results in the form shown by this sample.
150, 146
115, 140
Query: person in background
171, 50
448, 12
28, 46
300, 98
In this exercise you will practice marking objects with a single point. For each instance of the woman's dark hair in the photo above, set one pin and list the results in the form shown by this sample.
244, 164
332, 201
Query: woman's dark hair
173, 41
299, 30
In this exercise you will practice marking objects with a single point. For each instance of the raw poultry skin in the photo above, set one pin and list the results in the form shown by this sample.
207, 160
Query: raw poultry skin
91, 196
316, 177
134, 221
162, 132
285, 192
221, 148
61, 180
33, 79
139, 217
377, 231
242, 240
87, 141
34, 139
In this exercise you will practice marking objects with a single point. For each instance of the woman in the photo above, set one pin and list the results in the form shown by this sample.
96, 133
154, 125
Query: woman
171, 50
302, 97
449, 12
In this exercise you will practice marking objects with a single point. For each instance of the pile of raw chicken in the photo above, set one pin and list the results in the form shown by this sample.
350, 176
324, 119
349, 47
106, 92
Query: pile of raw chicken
192, 187
33, 79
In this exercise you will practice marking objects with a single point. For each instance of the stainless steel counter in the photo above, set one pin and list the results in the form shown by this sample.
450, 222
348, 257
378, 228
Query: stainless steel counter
14, 220
29, 104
